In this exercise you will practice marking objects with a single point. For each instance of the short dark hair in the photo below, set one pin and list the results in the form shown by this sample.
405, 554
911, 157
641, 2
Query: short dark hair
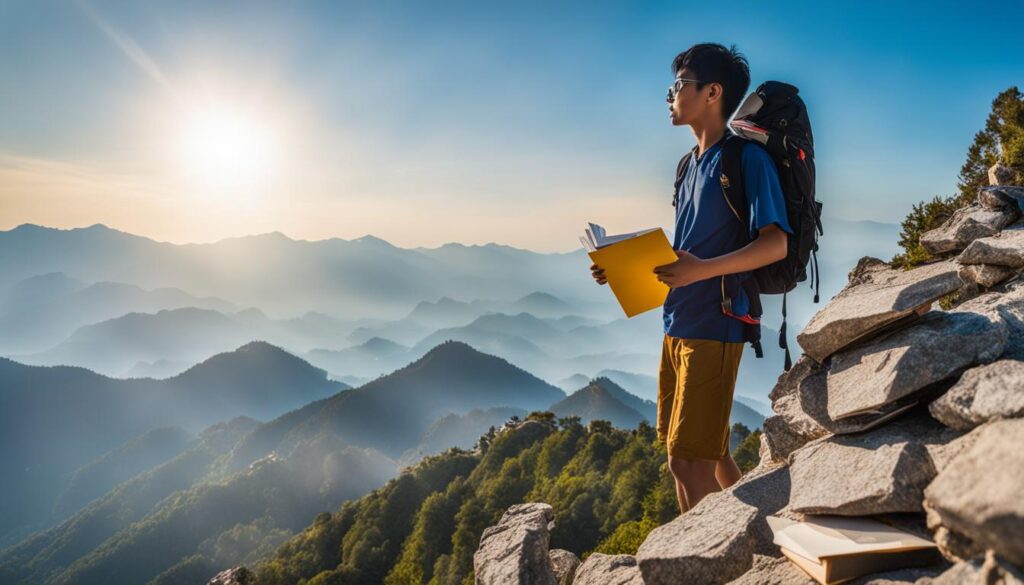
712, 62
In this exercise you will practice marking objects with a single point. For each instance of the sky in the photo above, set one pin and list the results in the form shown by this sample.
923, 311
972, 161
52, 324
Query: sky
431, 122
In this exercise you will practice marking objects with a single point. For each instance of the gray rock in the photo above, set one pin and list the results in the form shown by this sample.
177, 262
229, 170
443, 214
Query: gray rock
1005, 249
881, 471
235, 576
876, 296
988, 571
995, 197
773, 571
1006, 305
978, 495
791, 427
986, 275
714, 542
990, 392
900, 577
966, 225
516, 549
1000, 174
602, 569
563, 564
938, 346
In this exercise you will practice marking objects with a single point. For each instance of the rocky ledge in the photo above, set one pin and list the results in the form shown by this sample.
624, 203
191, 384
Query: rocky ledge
899, 409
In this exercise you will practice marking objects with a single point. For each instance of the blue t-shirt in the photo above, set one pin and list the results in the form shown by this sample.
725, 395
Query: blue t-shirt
706, 227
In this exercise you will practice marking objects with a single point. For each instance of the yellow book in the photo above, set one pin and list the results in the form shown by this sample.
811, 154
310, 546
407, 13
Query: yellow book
628, 262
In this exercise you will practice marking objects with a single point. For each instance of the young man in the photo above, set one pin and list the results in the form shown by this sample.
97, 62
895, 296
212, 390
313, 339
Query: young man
702, 344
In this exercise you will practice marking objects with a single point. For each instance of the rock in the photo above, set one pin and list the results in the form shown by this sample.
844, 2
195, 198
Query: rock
978, 495
990, 571
986, 275
1005, 249
1000, 174
602, 569
990, 392
966, 225
516, 549
938, 346
875, 297
773, 571
881, 471
235, 576
714, 541
1006, 306
901, 577
563, 564
995, 197
790, 428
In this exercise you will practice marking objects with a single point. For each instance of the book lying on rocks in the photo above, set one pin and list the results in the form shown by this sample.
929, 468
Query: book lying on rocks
834, 549
628, 261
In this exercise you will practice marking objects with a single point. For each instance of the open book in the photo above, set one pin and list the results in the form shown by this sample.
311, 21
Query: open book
834, 549
628, 261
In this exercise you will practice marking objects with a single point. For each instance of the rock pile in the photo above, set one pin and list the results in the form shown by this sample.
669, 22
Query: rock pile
898, 409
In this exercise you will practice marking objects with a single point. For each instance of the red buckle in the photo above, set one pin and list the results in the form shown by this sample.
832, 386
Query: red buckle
745, 318
802, 154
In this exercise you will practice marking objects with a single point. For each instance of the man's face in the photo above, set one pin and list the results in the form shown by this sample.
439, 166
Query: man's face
689, 104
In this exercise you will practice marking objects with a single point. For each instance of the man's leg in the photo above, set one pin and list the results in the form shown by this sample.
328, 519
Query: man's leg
727, 472
697, 478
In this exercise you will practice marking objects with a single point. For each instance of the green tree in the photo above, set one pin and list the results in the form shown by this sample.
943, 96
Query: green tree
1002, 140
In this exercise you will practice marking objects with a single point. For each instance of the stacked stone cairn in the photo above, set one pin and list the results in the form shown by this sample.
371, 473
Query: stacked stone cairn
907, 405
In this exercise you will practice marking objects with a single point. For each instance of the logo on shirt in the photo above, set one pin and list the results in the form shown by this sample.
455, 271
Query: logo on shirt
725, 181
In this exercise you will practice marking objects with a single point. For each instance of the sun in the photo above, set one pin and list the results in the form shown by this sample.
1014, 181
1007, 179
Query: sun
227, 148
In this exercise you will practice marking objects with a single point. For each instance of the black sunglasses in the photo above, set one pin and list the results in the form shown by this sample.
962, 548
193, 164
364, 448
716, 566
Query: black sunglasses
677, 87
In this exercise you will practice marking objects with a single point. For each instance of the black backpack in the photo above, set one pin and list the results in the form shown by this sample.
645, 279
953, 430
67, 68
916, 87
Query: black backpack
775, 118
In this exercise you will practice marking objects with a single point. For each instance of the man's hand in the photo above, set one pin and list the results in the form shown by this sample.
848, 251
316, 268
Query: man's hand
598, 273
686, 270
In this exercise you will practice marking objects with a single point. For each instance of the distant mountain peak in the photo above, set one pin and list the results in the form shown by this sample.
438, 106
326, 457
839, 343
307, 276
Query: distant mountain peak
372, 240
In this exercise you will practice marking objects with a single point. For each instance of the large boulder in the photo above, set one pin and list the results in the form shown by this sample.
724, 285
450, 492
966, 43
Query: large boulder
979, 494
563, 564
876, 296
516, 549
998, 196
1000, 174
1005, 249
602, 569
939, 345
985, 275
1006, 305
966, 225
790, 427
714, 542
881, 471
990, 392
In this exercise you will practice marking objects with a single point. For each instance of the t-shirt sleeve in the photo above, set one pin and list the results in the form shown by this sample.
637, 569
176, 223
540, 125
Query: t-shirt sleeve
764, 192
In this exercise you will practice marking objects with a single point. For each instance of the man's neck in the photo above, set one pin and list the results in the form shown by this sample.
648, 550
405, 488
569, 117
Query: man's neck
707, 134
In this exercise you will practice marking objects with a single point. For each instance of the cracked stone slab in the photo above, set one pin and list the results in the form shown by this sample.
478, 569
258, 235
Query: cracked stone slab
515, 550
939, 345
714, 542
1005, 249
881, 471
876, 296
978, 495
966, 225
602, 569
990, 392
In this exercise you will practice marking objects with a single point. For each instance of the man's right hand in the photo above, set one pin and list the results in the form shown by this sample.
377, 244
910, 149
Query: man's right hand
598, 273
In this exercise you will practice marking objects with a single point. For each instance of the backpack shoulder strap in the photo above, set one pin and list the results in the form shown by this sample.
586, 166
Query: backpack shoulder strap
680, 170
731, 178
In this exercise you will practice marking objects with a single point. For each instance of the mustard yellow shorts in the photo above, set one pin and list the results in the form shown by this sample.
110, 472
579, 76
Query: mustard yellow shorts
696, 380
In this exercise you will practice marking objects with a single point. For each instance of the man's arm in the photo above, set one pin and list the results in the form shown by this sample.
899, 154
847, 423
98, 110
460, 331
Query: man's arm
769, 246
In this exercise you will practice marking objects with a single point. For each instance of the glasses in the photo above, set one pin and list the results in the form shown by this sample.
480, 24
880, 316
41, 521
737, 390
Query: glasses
677, 87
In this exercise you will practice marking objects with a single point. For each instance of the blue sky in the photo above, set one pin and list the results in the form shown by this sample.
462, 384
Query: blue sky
470, 121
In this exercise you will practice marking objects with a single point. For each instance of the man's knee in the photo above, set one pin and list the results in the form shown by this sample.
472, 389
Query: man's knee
686, 467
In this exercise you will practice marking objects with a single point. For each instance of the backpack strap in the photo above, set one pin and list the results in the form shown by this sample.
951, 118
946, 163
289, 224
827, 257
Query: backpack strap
736, 196
680, 171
